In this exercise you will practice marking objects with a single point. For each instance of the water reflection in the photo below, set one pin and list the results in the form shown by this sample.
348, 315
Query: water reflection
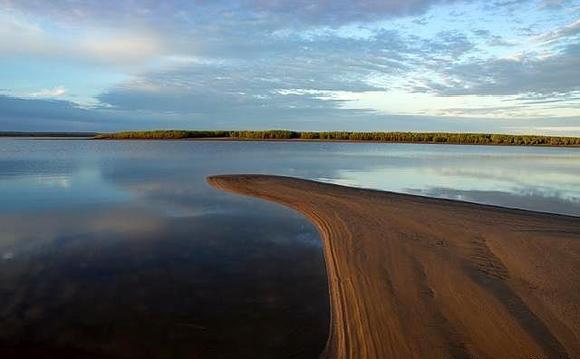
126, 282
121, 249
539, 179
136, 256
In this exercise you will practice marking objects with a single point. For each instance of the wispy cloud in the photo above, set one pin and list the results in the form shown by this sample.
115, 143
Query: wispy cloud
568, 30
527, 73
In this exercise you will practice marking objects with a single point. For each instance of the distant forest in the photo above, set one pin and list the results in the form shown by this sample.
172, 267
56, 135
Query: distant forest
403, 137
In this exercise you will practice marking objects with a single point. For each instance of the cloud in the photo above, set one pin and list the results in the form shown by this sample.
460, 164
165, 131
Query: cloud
41, 113
279, 74
51, 92
569, 30
272, 76
449, 45
57, 115
246, 102
120, 48
36, 114
553, 4
18, 36
553, 74
283, 12
339, 12
21, 36
492, 39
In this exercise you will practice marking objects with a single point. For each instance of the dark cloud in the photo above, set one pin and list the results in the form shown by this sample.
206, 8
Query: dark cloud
306, 113
136, 109
342, 11
18, 114
284, 12
16, 109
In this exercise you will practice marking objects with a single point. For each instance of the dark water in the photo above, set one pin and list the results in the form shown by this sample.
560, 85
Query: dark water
121, 249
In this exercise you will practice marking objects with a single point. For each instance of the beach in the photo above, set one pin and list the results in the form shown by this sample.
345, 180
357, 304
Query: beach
417, 277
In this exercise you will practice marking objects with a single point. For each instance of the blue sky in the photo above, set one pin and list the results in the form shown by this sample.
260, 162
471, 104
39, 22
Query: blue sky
508, 66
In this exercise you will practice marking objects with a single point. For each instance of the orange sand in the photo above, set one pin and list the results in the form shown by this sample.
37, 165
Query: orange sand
415, 277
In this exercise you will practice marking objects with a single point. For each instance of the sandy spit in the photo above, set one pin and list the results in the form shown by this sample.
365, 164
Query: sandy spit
415, 277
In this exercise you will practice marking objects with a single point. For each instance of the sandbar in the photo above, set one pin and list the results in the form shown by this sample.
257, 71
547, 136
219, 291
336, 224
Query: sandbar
418, 277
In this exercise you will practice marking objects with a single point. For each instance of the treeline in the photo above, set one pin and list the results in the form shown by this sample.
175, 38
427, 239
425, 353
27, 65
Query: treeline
403, 137
162, 135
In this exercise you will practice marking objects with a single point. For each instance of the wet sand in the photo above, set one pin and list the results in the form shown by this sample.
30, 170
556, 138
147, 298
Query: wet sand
416, 277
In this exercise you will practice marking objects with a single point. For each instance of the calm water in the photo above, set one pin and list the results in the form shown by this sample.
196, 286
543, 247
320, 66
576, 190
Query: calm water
121, 249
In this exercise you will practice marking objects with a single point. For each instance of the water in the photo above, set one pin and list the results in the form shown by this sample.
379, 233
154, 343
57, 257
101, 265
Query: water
121, 249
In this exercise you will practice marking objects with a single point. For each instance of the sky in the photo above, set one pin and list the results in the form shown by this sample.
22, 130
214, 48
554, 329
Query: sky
504, 66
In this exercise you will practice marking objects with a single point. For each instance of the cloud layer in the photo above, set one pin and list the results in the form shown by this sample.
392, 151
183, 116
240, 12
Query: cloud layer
365, 65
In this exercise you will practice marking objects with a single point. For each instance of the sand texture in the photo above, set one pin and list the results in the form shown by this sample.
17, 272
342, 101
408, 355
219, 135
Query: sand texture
415, 277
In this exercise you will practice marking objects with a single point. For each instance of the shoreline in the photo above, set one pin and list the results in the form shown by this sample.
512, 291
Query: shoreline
303, 140
413, 277
297, 140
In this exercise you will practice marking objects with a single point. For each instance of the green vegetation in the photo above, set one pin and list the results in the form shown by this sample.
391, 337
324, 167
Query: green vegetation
163, 135
404, 137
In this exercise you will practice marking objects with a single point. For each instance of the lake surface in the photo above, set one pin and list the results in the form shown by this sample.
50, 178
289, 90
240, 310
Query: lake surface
121, 249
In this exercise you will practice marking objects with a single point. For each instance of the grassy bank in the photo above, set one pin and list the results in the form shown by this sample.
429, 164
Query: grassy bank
403, 137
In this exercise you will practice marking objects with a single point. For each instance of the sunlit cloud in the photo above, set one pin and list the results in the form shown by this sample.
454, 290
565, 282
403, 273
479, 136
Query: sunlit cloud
51, 92
22, 37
